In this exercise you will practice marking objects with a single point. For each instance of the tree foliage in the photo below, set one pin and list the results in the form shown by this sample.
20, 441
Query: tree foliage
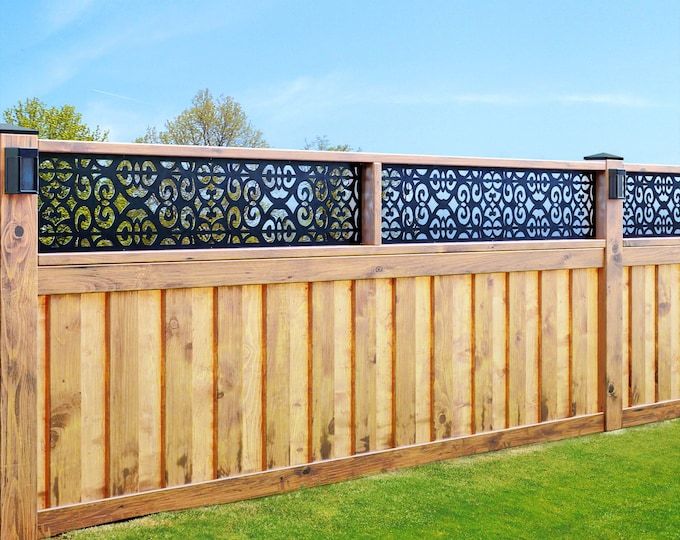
322, 143
53, 122
208, 122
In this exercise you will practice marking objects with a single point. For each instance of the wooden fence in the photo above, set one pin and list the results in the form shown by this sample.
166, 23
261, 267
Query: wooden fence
175, 378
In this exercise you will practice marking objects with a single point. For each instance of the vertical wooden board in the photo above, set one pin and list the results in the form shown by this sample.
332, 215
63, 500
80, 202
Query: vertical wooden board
41, 399
490, 352
124, 392
584, 341
452, 356
287, 374
202, 384
625, 335
373, 364
523, 348
149, 366
668, 318
555, 344
134, 391
65, 399
239, 400
188, 385
93, 395
643, 334
331, 358
412, 360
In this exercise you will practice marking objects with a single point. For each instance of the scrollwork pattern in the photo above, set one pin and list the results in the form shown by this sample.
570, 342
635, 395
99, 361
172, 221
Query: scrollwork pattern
443, 204
99, 202
652, 205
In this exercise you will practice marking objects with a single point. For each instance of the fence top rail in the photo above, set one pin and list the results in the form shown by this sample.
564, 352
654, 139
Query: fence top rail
652, 168
206, 152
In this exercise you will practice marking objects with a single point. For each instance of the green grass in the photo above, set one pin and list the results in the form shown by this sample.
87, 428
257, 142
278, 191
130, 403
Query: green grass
624, 484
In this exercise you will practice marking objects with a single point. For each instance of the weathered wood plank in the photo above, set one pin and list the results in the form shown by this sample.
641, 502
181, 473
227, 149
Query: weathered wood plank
331, 363
239, 384
584, 341
555, 345
43, 423
668, 346
188, 385
412, 360
643, 334
374, 330
625, 338
490, 352
135, 391
523, 325
452, 356
287, 374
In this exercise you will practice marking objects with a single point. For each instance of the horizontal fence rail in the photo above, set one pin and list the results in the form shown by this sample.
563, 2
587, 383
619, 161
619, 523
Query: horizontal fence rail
217, 324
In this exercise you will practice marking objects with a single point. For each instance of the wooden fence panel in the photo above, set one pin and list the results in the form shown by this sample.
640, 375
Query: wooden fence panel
374, 343
643, 334
523, 348
135, 340
555, 344
584, 332
332, 339
287, 374
240, 351
189, 390
668, 346
489, 352
452, 356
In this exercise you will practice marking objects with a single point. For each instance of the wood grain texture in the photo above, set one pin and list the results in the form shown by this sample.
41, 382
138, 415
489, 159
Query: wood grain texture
174, 275
239, 382
18, 353
371, 204
523, 348
171, 150
452, 356
228, 254
668, 333
189, 385
609, 227
413, 350
652, 412
555, 337
55, 521
625, 337
490, 352
584, 391
135, 391
287, 374
42, 394
374, 343
332, 339
643, 334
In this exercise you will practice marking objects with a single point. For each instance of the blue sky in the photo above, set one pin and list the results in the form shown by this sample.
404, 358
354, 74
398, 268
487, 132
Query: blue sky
536, 79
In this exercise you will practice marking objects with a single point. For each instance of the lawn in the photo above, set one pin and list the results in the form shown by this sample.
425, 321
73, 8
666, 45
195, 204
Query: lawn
624, 484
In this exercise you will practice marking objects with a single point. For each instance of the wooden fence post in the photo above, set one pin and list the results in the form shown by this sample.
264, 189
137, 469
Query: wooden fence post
18, 349
609, 227
371, 204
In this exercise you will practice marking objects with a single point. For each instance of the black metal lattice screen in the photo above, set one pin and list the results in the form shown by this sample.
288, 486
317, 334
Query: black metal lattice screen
652, 205
105, 202
440, 204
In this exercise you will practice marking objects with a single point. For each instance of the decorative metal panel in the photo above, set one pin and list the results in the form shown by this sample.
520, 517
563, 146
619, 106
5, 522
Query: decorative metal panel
100, 202
652, 205
442, 204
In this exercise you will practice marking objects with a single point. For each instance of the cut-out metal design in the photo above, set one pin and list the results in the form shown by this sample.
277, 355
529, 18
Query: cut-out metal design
100, 202
652, 205
443, 204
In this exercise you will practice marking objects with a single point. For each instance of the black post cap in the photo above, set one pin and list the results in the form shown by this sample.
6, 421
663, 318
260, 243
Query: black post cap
9, 128
602, 155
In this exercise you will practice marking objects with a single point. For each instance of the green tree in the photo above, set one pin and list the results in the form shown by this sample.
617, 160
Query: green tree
208, 122
53, 122
322, 143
